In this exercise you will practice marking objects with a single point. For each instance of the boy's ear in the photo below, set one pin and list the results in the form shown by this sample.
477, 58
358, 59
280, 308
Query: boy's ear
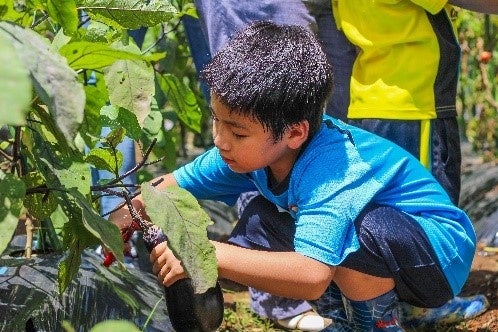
297, 134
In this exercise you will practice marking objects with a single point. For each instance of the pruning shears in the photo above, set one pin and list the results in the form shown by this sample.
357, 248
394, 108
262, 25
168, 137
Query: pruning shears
126, 234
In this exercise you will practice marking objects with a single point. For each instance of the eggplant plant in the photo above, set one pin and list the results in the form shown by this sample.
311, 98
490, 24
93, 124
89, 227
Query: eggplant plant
68, 69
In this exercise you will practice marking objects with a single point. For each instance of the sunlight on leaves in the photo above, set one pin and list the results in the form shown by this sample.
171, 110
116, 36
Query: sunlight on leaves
129, 14
15, 85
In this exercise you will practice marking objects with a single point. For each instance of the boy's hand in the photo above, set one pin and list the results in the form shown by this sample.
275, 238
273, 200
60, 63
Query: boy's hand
165, 265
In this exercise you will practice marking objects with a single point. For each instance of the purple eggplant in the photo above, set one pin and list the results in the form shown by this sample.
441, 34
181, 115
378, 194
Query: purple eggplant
188, 311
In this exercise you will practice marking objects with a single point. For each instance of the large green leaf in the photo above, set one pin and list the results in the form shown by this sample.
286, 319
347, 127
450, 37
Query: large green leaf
12, 191
129, 14
65, 13
15, 85
184, 222
183, 100
131, 84
62, 168
91, 55
56, 84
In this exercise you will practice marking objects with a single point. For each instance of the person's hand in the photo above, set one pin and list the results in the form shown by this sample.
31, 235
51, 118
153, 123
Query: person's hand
121, 218
165, 265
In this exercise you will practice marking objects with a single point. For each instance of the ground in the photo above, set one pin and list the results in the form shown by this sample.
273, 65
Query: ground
482, 280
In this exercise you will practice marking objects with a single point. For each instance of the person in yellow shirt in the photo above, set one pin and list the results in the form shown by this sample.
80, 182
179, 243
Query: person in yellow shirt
403, 88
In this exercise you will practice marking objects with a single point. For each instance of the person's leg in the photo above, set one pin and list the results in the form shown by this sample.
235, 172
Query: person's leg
340, 52
262, 226
199, 48
446, 155
389, 256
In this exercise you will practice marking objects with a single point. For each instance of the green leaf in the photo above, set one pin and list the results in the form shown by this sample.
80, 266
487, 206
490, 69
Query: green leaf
84, 228
15, 85
131, 85
117, 117
115, 326
189, 9
91, 128
39, 205
91, 55
129, 14
65, 13
105, 231
77, 175
184, 222
69, 266
12, 191
183, 100
76, 239
56, 84
105, 159
153, 123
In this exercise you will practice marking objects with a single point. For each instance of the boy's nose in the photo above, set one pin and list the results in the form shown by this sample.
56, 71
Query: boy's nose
219, 142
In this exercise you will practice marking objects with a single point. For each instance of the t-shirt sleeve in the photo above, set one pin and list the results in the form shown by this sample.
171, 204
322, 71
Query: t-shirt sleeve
208, 177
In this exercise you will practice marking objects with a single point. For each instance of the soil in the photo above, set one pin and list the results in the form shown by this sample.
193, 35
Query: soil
483, 279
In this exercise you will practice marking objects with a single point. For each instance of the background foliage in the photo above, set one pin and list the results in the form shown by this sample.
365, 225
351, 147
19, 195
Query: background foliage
68, 69
477, 95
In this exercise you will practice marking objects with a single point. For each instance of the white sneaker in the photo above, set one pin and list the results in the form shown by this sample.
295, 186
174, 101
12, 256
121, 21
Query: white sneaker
308, 321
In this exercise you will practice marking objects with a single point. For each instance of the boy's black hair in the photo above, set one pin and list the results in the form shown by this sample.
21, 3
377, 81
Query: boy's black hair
277, 74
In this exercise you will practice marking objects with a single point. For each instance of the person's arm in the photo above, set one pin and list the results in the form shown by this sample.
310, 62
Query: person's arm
287, 274
480, 6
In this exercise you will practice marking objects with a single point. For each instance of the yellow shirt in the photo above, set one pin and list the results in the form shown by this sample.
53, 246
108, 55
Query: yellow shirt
408, 61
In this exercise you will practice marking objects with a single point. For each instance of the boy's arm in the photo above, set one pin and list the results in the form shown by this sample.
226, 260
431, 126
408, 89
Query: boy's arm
287, 274
480, 6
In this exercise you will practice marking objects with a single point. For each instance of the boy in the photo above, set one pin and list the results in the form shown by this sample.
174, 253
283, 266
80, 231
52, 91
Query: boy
342, 211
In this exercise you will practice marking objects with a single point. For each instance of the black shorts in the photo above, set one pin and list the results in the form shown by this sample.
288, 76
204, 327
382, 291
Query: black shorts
404, 255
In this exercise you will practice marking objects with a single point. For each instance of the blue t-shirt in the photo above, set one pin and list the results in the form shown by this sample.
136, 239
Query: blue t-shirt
339, 172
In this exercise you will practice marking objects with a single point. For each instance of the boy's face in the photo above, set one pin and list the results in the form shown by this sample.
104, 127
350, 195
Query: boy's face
245, 145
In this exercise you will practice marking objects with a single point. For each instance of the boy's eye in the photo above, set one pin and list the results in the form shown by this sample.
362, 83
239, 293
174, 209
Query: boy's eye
238, 136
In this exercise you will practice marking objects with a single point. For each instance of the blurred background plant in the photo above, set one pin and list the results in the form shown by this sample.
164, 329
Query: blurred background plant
477, 93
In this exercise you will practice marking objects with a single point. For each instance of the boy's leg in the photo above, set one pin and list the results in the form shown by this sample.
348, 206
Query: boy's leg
401, 256
262, 226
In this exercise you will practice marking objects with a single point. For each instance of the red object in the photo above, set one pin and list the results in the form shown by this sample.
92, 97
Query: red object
485, 56
126, 234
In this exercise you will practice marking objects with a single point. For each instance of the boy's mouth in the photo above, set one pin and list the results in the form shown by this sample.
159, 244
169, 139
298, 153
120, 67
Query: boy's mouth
227, 160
